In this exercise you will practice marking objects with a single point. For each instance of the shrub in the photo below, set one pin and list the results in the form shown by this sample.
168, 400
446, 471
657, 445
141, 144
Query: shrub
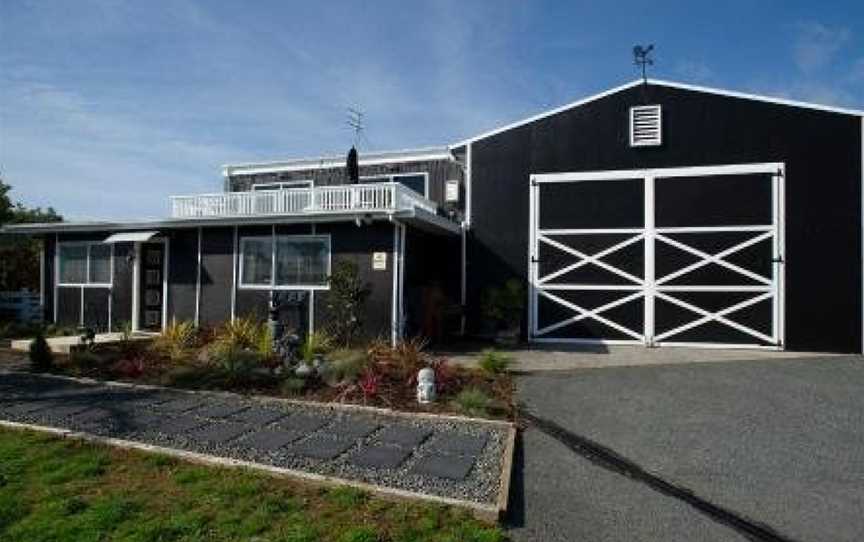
409, 357
41, 358
84, 359
492, 362
316, 343
241, 333
129, 368
293, 386
236, 363
345, 300
177, 339
473, 402
504, 305
344, 366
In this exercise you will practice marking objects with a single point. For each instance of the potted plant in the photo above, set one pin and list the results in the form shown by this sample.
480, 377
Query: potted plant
502, 310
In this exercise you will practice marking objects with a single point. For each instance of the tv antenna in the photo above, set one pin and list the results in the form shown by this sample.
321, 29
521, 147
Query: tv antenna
356, 122
642, 58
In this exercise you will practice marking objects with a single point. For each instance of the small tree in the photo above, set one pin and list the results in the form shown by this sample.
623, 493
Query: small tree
348, 293
41, 358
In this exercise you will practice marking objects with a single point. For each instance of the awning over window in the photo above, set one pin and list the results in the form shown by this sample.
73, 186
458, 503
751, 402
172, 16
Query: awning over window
131, 237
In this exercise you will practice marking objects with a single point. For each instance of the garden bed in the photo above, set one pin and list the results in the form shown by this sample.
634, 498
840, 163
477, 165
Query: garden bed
239, 358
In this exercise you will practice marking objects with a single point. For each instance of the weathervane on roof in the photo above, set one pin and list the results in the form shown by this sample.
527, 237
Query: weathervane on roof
642, 58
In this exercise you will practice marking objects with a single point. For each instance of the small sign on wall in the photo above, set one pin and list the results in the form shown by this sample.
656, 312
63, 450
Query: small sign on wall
379, 261
451, 192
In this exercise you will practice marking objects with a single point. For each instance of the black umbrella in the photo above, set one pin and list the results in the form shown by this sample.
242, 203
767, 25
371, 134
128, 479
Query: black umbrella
353, 166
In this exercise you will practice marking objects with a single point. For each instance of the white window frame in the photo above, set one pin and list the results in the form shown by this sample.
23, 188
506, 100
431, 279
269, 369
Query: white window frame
283, 185
394, 176
241, 285
87, 283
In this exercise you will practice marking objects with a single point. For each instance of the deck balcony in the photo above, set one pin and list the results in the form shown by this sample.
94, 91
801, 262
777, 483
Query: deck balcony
320, 200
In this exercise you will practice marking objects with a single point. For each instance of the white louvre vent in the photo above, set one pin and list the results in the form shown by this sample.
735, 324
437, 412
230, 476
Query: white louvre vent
646, 126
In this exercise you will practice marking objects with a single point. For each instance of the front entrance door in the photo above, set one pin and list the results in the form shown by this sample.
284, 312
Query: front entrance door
658, 256
151, 290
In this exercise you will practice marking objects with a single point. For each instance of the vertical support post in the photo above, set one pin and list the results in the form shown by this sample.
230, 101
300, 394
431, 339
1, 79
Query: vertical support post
165, 269
463, 294
234, 277
532, 257
198, 282
111, 291
394, 316
312, 295
649, 278
403, 233
469, 157
42, 254
136, 288
56, 280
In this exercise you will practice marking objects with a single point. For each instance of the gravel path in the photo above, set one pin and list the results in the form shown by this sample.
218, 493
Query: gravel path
449, 458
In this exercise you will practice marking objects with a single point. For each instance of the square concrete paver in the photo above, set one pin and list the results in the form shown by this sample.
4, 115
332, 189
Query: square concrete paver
176, 426
218, 412
320, 447
270, 439
380, 457
183, 404
457, 444
306, 423
352, 429
405, 436
258, 416
218, 433
451, 467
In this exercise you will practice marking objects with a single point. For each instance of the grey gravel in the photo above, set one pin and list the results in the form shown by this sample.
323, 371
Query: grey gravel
376, 448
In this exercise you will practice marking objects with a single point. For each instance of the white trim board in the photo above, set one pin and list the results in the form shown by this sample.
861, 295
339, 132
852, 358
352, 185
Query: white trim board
663, 83
329, 162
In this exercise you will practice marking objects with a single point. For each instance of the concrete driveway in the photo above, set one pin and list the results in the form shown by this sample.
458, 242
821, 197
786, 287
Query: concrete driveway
743, 450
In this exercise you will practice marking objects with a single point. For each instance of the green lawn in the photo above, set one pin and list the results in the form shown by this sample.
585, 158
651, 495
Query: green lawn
60, 490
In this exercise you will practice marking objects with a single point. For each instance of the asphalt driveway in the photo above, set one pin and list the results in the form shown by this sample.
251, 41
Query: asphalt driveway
750, 450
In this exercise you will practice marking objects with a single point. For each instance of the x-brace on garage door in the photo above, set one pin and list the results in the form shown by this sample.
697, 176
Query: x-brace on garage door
673, 256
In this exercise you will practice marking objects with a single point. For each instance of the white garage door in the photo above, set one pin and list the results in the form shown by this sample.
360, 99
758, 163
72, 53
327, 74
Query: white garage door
676, 256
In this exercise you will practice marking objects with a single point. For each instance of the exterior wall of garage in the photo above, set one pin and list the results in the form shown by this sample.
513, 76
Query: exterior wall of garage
822, 156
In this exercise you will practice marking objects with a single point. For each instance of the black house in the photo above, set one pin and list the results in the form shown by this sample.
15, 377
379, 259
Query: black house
655, 213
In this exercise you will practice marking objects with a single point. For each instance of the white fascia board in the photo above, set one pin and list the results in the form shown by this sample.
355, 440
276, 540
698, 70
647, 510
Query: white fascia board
757, 97
659, 82
329, 162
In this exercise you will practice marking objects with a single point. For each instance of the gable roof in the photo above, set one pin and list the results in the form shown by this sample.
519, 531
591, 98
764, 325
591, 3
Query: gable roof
662, 83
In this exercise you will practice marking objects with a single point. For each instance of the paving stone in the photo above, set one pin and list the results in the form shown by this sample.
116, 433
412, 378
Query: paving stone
458, 444
218, 411
380, 457
183, 404
352, 429
218, 433
320, 447
270, 439
405, 436
26, 407
452, 467
258, 416
64, 410
176, 426
306, 423
138, 422
92, 415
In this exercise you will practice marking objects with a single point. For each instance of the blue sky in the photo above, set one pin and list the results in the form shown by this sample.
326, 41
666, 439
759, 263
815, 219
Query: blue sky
109, 106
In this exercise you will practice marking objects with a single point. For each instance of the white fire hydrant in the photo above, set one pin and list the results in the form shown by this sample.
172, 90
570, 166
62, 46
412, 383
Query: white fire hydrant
426, 386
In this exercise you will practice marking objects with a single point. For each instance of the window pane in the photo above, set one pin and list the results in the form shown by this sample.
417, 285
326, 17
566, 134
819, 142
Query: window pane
256, 260
73, 264
100, 263
416, 183
302, 261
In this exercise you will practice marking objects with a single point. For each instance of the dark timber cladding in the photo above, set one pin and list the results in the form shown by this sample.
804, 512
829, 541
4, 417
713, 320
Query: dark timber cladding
439, 172
822, 155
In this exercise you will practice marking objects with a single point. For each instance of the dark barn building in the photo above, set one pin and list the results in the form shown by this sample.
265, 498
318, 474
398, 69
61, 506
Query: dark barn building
655, 213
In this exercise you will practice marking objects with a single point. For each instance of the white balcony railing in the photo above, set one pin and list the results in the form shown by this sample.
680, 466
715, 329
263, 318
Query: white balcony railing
349, 198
